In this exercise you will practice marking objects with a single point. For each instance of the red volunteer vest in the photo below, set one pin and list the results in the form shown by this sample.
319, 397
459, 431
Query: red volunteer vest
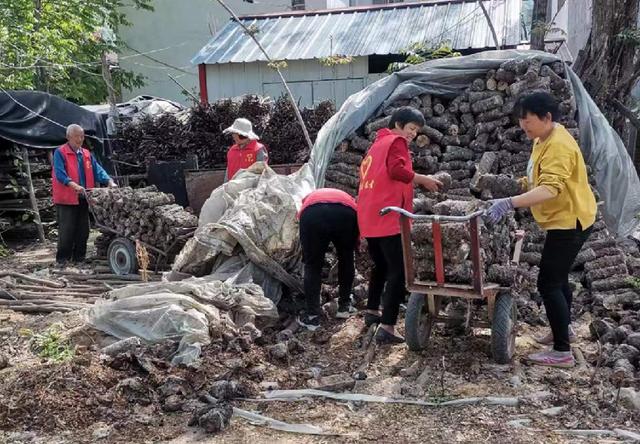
377, 190
241, 158
62, 194
328, 195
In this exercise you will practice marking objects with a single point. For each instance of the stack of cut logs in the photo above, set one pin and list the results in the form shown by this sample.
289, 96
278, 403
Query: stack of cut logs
474, 131
495, 242
144, 214
171, 137
15, 205
476, 140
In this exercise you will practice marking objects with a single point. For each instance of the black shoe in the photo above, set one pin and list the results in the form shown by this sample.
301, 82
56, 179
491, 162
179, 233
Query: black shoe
384, 337
311, 323
371, 319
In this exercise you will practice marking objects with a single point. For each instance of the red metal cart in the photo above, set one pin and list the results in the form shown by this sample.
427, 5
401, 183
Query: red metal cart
424, 307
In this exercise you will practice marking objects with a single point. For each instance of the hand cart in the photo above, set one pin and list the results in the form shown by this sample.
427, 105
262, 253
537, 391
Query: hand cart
121, 254
424, 307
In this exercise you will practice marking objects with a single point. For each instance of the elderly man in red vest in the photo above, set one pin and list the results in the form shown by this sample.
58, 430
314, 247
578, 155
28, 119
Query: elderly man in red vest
74, 171
246, 149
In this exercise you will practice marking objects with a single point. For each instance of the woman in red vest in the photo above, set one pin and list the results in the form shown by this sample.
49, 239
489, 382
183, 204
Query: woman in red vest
327, 216
246, 149
387, 179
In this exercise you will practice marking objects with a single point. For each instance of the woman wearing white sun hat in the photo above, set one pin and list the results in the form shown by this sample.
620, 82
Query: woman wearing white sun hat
246, 149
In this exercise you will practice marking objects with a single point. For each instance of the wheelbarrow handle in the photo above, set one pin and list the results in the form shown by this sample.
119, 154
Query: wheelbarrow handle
431, 217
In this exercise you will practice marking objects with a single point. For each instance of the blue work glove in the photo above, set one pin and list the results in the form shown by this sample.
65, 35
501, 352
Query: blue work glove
498, 208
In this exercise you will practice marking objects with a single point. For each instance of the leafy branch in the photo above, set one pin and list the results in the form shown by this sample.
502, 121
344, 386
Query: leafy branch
334, 60
630, 36
420, 52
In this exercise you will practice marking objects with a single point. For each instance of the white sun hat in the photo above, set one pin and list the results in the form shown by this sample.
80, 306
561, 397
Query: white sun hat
242, 127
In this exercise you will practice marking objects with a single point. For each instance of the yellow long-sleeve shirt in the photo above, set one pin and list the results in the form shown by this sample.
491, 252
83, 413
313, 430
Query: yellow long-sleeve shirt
557, 164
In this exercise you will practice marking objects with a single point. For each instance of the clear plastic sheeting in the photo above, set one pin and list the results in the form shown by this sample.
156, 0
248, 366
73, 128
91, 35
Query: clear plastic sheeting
616, 179
238, 269
190, 311
156, 318
236, 299
253, 214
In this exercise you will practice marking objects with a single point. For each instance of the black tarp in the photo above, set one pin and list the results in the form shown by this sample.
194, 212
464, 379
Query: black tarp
39, 120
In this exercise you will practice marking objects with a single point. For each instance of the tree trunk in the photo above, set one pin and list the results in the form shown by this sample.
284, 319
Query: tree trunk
609, 65
539, 24
41, 73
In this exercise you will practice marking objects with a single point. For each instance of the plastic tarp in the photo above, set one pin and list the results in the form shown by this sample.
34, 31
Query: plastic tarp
39, 120
140, 107
155, 318
254, 214
189, 311
615, 175
236, 299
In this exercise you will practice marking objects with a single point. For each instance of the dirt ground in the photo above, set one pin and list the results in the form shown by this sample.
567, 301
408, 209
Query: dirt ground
123, 400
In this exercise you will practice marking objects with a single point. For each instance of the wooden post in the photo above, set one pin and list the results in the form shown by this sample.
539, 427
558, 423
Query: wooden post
32, 194
111, 96
490, 23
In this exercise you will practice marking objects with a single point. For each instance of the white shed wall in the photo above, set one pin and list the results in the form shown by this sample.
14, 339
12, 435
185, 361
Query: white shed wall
310, 81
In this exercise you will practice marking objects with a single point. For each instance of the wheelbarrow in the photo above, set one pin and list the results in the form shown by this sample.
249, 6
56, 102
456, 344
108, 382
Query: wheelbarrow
425, 301
121, 254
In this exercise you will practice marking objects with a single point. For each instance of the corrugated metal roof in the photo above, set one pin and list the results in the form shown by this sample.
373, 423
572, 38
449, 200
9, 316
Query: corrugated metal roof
386, 29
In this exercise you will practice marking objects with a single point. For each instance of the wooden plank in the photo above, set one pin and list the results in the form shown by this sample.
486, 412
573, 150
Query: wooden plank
200, 184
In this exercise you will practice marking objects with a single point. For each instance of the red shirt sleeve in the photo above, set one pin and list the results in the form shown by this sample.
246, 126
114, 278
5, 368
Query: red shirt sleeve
397, 163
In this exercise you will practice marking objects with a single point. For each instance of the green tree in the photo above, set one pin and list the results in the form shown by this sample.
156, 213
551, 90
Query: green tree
56, 46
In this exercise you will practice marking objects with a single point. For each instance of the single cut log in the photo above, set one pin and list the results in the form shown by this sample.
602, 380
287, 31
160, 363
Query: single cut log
377, 124
487, 104
433, 133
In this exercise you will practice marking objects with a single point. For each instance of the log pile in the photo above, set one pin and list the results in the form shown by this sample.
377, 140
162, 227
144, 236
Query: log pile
199, 132
63, 292
342, 172
476, 140
613, 296
496, 242
144, 214
15, 205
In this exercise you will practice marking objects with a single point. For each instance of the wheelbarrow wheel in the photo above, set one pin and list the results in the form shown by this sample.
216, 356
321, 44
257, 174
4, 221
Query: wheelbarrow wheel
503, 329
418, 322
122, 256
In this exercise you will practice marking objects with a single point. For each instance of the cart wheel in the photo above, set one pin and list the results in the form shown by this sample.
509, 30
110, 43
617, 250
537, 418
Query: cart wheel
418, 322
122, 256
503, 329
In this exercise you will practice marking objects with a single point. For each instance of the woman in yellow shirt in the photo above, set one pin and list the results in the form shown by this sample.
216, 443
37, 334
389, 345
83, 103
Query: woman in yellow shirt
557, 191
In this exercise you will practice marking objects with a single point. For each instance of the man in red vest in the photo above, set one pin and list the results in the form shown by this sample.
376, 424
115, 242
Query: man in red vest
74, 171
246, 149
327, 216
387, 179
